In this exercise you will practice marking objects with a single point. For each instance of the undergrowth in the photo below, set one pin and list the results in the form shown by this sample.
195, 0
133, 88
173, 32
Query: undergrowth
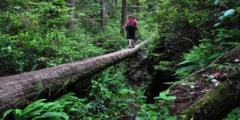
110, 97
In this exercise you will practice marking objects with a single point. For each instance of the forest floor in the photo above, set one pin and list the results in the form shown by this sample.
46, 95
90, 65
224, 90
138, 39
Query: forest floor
187, 93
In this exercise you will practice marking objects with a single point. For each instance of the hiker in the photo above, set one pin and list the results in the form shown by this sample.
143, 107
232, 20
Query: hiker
131, 26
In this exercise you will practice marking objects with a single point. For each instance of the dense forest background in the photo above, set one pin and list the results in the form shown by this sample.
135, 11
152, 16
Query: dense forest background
183, 36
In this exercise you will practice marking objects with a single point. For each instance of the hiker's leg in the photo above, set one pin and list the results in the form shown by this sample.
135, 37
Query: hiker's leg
132, 43
129, 43
133, 40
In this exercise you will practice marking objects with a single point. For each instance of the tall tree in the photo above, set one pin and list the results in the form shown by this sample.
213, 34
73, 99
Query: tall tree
104, 13
124, 13
72, 4
116, 1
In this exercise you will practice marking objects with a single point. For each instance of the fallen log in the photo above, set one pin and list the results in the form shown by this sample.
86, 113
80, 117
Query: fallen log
19, 90
216, 104
222, 99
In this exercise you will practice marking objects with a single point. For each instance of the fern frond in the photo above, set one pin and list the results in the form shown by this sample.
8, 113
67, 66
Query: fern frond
215, 55
34, 113
52, 106
6, 113
33, 106
55, 115
185, 71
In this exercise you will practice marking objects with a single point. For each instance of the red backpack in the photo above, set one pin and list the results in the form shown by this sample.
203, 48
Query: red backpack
131, 23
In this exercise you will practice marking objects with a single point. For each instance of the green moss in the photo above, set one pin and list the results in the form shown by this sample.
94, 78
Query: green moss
213, 103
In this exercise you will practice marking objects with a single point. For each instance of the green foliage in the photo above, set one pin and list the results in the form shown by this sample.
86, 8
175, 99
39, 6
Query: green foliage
149, 112
227, 37
38, 38
110, 39
39, 110
164, 66
155, 112
233, 115
163, 96
226, 16
6, 113
227, 66
198, 57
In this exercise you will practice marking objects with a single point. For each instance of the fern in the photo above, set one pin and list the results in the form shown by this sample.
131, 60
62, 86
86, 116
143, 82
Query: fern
231, 43
215, 55
6, 113
185, 71
53, 106
41, 110
52, 116
198, 57
34, 113
34, 106
164, 66
227, 66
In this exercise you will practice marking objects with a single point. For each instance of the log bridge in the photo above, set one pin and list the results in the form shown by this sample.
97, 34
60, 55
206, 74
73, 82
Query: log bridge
20, 90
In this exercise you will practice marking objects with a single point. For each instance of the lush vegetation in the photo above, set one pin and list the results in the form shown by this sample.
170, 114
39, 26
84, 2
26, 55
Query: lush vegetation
37, 34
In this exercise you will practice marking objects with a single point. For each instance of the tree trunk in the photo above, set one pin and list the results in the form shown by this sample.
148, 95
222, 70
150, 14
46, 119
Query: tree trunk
19, 90
104, 13
72, 4
124, 14
216, 104
221, 100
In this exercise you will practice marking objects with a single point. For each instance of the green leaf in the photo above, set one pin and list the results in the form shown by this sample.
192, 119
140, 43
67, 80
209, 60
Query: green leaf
34, 106
123, 91
88, 118
140, 118
18, 112
34, 67
17, 7
52, 115
229, 12
152, 113
190, 21
6, 113
163, 95
153, 118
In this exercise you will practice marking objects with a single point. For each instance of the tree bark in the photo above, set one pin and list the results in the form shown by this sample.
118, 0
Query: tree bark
124, 14
104, 13
72, 4
19, 90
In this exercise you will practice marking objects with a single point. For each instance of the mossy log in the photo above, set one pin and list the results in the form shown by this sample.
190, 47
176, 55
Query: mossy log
19, 90
216, 104
222, 99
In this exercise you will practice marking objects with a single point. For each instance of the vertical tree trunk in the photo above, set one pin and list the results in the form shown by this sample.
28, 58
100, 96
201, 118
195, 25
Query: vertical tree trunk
72, 4
138, 7
124, 13
104, 13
